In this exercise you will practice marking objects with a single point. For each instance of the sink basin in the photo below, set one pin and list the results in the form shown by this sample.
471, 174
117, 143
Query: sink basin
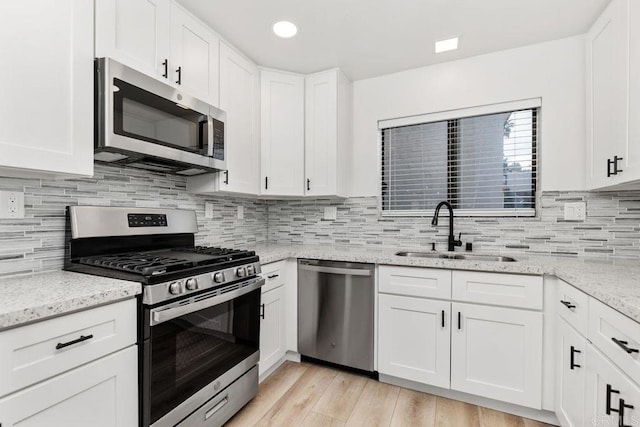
468, 257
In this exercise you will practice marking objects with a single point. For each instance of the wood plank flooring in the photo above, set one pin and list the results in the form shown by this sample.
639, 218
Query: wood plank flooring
308, 395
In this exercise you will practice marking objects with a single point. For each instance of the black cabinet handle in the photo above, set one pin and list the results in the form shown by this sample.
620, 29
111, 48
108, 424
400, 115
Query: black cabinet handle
266, 182
621, 412
613, 163
179, 71
567, 304
459, 321
262, 310
273, 276
76, 341
165, 64
624, 345
572, 363
608, 407
308, 184
226, 177
442, 319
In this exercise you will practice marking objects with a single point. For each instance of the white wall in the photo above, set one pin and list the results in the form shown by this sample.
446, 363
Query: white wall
553, 71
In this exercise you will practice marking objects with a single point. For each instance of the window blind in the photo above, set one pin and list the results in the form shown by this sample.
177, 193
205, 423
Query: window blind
483, 165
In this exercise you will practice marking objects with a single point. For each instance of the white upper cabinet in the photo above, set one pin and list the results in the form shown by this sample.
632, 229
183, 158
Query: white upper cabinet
613, 97
194, 56
136, 33
160, 39
239, 97
328, 103
46, 81
282, 133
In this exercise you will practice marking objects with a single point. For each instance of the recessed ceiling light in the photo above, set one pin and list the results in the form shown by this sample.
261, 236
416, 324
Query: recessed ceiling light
445, 45
285, 29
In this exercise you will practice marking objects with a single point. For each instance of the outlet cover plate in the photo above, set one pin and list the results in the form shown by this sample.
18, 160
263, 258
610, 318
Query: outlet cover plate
240, 212
208, 210
331, 213
11, 204
575, 211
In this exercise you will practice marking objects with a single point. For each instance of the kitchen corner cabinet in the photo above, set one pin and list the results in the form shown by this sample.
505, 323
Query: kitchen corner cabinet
239, 97
282, 133
328, 111
162, 40
79, 369
47, 67
613, 98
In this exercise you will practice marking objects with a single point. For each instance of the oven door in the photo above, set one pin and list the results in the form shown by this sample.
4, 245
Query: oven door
194, 348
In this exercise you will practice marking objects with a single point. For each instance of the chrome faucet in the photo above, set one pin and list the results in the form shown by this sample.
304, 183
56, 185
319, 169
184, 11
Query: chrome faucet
452, 240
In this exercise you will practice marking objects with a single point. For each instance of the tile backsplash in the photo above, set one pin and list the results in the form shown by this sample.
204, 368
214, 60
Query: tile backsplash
612, 226
36, 243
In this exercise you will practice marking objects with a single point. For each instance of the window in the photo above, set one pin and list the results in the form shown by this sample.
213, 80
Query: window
484, 165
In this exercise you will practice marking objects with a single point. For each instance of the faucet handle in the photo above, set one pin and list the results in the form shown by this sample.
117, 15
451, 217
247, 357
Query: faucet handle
458, 242
433, 246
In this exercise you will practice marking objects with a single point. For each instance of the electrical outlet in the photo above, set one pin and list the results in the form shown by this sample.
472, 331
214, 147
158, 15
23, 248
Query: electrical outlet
11, 204
575, 211
331, 213
240, 212
208, 210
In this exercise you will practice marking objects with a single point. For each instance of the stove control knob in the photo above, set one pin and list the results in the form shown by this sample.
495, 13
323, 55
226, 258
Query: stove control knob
192, 284
251, 270
218, 277
175, 288
241, 272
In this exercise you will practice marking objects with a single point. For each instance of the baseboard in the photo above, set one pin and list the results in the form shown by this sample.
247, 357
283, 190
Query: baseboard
289, 355
521, 411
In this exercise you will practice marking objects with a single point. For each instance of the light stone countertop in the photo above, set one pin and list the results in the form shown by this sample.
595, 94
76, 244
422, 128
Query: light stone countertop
615, 282
35, 297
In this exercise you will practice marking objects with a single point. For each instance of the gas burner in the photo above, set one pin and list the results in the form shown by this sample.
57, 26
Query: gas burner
147, 264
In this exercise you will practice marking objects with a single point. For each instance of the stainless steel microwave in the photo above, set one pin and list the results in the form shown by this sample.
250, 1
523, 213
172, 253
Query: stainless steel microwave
144, 123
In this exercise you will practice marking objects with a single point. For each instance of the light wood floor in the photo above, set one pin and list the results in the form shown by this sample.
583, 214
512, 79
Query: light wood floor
303, 394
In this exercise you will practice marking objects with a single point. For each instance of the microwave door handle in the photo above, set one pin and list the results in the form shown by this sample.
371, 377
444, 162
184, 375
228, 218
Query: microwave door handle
161, 315
210, 136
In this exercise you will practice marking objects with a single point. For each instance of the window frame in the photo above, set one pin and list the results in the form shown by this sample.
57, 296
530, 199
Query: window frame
448, 115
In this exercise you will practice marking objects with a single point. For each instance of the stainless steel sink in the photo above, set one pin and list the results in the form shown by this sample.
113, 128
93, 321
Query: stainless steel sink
468, 257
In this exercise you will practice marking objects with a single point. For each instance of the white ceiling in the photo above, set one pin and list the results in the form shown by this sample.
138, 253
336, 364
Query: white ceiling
368, 38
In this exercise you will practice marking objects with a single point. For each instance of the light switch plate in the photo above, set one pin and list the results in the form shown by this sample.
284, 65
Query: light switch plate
208, 210
11, 204
575, 211
331, 213
240, 212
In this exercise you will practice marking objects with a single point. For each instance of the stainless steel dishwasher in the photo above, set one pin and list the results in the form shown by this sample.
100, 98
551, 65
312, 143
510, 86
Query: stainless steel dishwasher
335, 312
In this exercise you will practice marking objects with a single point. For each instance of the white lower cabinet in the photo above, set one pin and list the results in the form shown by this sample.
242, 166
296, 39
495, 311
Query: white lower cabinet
571, 374
414, 339
497, 353
272, 329
102, 393
613, 399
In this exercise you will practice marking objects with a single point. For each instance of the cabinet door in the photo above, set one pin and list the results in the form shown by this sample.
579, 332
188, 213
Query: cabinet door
321, 132
282, 135
608, 388
413, 339
607, 94
571, 375
103, 393
136, 33
497, 353
633, 142
239, 93
272, 329
46, 81
194, 56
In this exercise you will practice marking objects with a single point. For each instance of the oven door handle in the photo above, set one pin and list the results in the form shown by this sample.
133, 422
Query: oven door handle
160, 315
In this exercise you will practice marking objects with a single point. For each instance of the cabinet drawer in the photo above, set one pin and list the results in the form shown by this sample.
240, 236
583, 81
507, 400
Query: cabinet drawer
573, 306
512, 290
273, 275
35, 352
607, 325
415, 281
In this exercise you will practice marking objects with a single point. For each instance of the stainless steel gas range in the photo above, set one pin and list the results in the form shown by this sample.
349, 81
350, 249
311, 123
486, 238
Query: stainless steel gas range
199, 311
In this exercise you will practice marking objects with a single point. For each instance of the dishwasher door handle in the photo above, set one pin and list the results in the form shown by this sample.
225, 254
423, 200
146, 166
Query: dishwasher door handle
335, 270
